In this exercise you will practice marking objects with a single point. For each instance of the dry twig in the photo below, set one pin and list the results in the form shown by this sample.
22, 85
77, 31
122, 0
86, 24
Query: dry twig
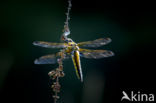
55, 75
58, 72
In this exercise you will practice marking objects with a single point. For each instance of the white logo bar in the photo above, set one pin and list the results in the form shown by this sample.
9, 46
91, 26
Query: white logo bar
137, 96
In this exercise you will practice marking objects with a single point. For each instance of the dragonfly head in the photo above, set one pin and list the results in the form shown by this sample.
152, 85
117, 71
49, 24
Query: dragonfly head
69, 40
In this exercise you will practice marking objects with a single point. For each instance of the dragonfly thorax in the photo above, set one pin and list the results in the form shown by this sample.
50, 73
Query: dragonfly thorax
71, 46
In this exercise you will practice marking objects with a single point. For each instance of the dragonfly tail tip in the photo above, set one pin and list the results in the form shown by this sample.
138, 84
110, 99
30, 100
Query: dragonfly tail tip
81, 79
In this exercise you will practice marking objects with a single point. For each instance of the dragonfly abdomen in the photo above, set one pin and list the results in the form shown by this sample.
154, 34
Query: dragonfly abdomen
77, 64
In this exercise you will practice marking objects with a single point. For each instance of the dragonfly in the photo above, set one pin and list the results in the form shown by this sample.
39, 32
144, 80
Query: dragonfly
74, 50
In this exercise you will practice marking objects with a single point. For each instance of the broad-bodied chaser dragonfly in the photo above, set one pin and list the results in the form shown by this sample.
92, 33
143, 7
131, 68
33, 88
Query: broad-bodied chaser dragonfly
73, 50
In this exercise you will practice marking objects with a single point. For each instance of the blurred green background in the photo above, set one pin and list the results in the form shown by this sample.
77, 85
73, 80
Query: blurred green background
130, 25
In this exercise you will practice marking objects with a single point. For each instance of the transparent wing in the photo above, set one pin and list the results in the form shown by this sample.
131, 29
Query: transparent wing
95, 43
95, 54
49, 59
49, 44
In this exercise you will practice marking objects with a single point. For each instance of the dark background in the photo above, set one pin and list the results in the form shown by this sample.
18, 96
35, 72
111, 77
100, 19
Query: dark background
130, 25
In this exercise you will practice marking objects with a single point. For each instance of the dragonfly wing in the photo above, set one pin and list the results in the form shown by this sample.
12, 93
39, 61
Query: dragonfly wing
95, 54
49, 44
50, 59
47, 59
95, 43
